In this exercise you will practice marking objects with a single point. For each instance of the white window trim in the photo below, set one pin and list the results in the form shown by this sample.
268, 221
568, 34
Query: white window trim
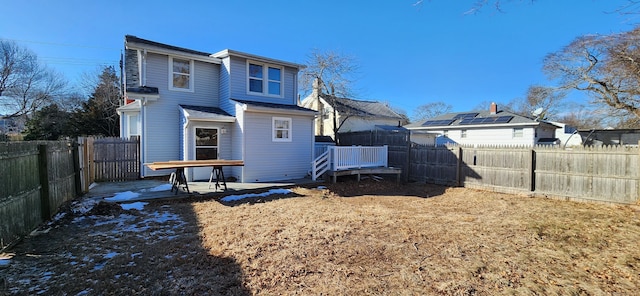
520, 134
195, 145
463, 133
273, 129
133, 117
191, 76
265, 79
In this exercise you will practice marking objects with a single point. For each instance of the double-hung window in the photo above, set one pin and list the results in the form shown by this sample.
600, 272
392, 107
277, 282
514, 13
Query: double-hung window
281, 127
264, 79
518, 132
180, 74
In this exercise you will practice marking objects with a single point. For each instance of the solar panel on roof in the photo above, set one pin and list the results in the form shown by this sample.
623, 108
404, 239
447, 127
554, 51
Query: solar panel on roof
486, 120
504, 119
437, 122
465, 115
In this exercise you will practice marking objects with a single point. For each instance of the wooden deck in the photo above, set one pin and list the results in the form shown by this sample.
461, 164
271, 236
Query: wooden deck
365, 171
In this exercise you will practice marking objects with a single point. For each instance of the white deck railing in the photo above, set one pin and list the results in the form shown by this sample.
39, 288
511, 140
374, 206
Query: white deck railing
338, 158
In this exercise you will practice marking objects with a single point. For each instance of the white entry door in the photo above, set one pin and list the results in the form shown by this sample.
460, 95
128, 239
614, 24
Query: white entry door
207, 142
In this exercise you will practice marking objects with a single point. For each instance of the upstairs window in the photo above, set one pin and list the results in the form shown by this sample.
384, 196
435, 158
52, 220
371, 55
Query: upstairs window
518, 132
281, 129
180, 74
264, 79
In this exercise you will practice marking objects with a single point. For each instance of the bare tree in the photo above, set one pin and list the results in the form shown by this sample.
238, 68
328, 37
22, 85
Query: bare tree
477, 5
330, 75
546, 100
606, 67
430, 110
630, 7
25, 84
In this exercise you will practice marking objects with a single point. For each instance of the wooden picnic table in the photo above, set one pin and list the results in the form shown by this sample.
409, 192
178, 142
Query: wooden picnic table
178, 177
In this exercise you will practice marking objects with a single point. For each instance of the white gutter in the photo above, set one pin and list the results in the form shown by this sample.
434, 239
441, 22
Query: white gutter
228, 52
164, 51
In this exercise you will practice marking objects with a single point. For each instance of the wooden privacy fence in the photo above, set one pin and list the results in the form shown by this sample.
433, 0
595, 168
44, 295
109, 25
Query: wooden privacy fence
35, 179
606, 174
109, 159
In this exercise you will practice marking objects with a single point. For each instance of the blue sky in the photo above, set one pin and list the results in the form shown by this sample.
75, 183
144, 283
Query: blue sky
408, 55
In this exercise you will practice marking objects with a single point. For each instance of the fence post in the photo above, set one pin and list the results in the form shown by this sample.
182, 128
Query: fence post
43, 174
532, 171
407, 166
459, 168
76, 166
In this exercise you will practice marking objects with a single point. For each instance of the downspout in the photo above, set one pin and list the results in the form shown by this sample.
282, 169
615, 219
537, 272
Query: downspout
143, 115
143, 79
143, 142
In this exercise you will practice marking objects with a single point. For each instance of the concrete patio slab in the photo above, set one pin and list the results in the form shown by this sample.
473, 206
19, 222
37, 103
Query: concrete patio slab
142, 188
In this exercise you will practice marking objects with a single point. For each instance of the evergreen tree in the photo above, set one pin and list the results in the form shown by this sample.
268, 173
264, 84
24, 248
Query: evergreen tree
48, 123
98, 114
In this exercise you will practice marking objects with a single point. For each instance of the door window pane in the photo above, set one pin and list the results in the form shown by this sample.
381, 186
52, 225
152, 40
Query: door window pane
206, 153
206, 143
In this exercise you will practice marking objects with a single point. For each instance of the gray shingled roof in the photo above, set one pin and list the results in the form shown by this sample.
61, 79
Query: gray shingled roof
364, 108
131, 38
273, 105
212, 110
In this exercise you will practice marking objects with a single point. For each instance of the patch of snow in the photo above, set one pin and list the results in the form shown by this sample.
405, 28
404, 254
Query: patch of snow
163, 187
321, 187
110, 255
123, 196
99, 266
250, 195
134, 206
93, 185
84, 206
83, 292
37, 232
58, 216
162, 218
121, 220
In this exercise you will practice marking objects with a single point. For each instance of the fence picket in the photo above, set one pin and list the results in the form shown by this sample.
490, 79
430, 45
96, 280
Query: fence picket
607, 174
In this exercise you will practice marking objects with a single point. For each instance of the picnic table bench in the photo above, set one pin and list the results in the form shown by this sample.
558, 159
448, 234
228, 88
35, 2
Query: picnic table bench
178, 177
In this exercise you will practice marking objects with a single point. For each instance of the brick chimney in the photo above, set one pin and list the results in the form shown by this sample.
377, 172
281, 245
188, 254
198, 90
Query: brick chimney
493, 109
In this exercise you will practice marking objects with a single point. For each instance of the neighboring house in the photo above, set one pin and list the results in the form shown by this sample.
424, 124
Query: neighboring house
491, 127
566, 135
12, 125
599, 137
352, 115
186, 105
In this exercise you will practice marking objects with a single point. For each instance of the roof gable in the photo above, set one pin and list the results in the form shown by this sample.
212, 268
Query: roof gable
362, 108
134, 39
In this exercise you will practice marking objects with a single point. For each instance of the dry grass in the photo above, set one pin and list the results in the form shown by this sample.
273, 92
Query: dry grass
349, 239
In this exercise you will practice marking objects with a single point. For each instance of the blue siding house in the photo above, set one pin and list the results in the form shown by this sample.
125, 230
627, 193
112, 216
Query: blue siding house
185, 104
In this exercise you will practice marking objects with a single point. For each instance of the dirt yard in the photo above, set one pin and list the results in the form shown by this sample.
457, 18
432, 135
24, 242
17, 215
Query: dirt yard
372, 238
